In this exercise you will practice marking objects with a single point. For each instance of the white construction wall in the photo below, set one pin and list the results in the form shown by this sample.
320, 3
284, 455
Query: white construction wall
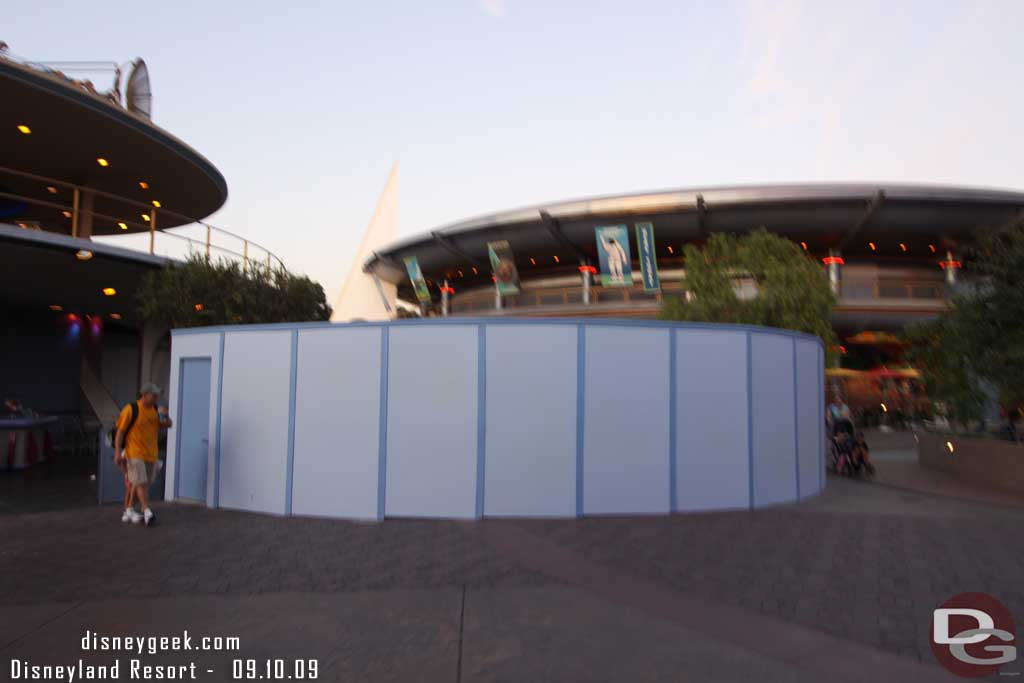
462, 418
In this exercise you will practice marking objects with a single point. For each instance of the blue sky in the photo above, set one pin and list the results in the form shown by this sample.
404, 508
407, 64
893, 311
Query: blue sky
493, 104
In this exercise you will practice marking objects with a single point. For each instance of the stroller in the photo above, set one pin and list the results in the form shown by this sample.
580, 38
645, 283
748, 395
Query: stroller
848, 451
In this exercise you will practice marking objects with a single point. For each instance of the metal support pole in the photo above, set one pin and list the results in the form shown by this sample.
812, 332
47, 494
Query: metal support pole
444, 300
74, 214
585, 272
85, 214
152, 230
834, 261
951, 267
497, 297
208, 231
383, 297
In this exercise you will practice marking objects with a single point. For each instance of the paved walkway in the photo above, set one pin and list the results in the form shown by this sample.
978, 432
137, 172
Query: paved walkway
897, 456
837, 588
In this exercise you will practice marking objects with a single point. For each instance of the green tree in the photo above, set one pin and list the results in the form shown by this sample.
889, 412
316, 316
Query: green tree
941, 353
980, 339
790, 289
200, 292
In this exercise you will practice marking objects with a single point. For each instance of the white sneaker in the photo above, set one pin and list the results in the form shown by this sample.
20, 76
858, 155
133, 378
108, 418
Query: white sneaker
149, 517
134, 517
126, 517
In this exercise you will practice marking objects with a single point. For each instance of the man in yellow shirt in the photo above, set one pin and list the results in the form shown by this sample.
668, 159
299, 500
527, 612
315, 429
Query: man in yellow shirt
135, 445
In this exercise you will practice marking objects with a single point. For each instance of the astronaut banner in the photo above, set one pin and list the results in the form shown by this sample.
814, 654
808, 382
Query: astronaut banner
613, 253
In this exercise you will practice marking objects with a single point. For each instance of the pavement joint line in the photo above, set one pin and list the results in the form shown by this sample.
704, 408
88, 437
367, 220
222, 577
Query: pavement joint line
41, 626
462, 621
806, 648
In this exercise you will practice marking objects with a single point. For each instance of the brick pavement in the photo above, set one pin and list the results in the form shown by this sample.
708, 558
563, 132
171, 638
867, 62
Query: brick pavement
862, 562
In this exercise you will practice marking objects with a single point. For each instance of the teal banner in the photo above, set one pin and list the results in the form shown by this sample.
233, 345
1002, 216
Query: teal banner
412, 265
648, 257
503, 265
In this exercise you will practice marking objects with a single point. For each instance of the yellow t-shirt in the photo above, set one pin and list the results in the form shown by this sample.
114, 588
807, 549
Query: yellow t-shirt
142, 439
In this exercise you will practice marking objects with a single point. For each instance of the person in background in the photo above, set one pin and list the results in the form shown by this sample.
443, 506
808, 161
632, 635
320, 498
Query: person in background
138, 430
839, 416
13, 408
862, 454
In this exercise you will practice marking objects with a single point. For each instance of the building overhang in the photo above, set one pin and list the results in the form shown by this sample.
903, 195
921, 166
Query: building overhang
70, 130
922, 218
40, 270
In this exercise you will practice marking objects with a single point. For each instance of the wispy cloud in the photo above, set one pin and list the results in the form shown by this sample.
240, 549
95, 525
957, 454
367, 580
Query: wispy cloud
495, 8
769, 30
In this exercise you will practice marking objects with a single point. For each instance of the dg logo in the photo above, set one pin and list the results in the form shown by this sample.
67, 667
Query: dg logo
972, 635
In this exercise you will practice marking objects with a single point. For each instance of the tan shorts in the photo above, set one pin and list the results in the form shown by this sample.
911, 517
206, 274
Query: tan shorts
141, 472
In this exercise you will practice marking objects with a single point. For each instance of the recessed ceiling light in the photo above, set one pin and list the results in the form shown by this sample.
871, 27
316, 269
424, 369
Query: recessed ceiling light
109, 291
83, 254
25, 130
51, 189
556, 260
670, 250
143, 184
123, 226
872, 245
56, 307
145, 216
533, 261
932, 247
115, 316
903, 247
102, 162
156, 203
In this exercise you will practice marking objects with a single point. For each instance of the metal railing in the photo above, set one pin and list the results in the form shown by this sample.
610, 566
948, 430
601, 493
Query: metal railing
204, 245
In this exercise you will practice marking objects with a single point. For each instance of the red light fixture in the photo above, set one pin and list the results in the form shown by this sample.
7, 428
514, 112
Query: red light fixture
950, 264
533, 261
475, 271
447, 290
198, 307
829, 260
588, 269
931, 247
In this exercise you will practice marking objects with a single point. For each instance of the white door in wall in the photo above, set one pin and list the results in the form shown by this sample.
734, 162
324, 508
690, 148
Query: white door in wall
193, 429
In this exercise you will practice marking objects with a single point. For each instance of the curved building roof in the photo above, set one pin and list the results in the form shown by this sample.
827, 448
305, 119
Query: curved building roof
71, 129
826, 216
